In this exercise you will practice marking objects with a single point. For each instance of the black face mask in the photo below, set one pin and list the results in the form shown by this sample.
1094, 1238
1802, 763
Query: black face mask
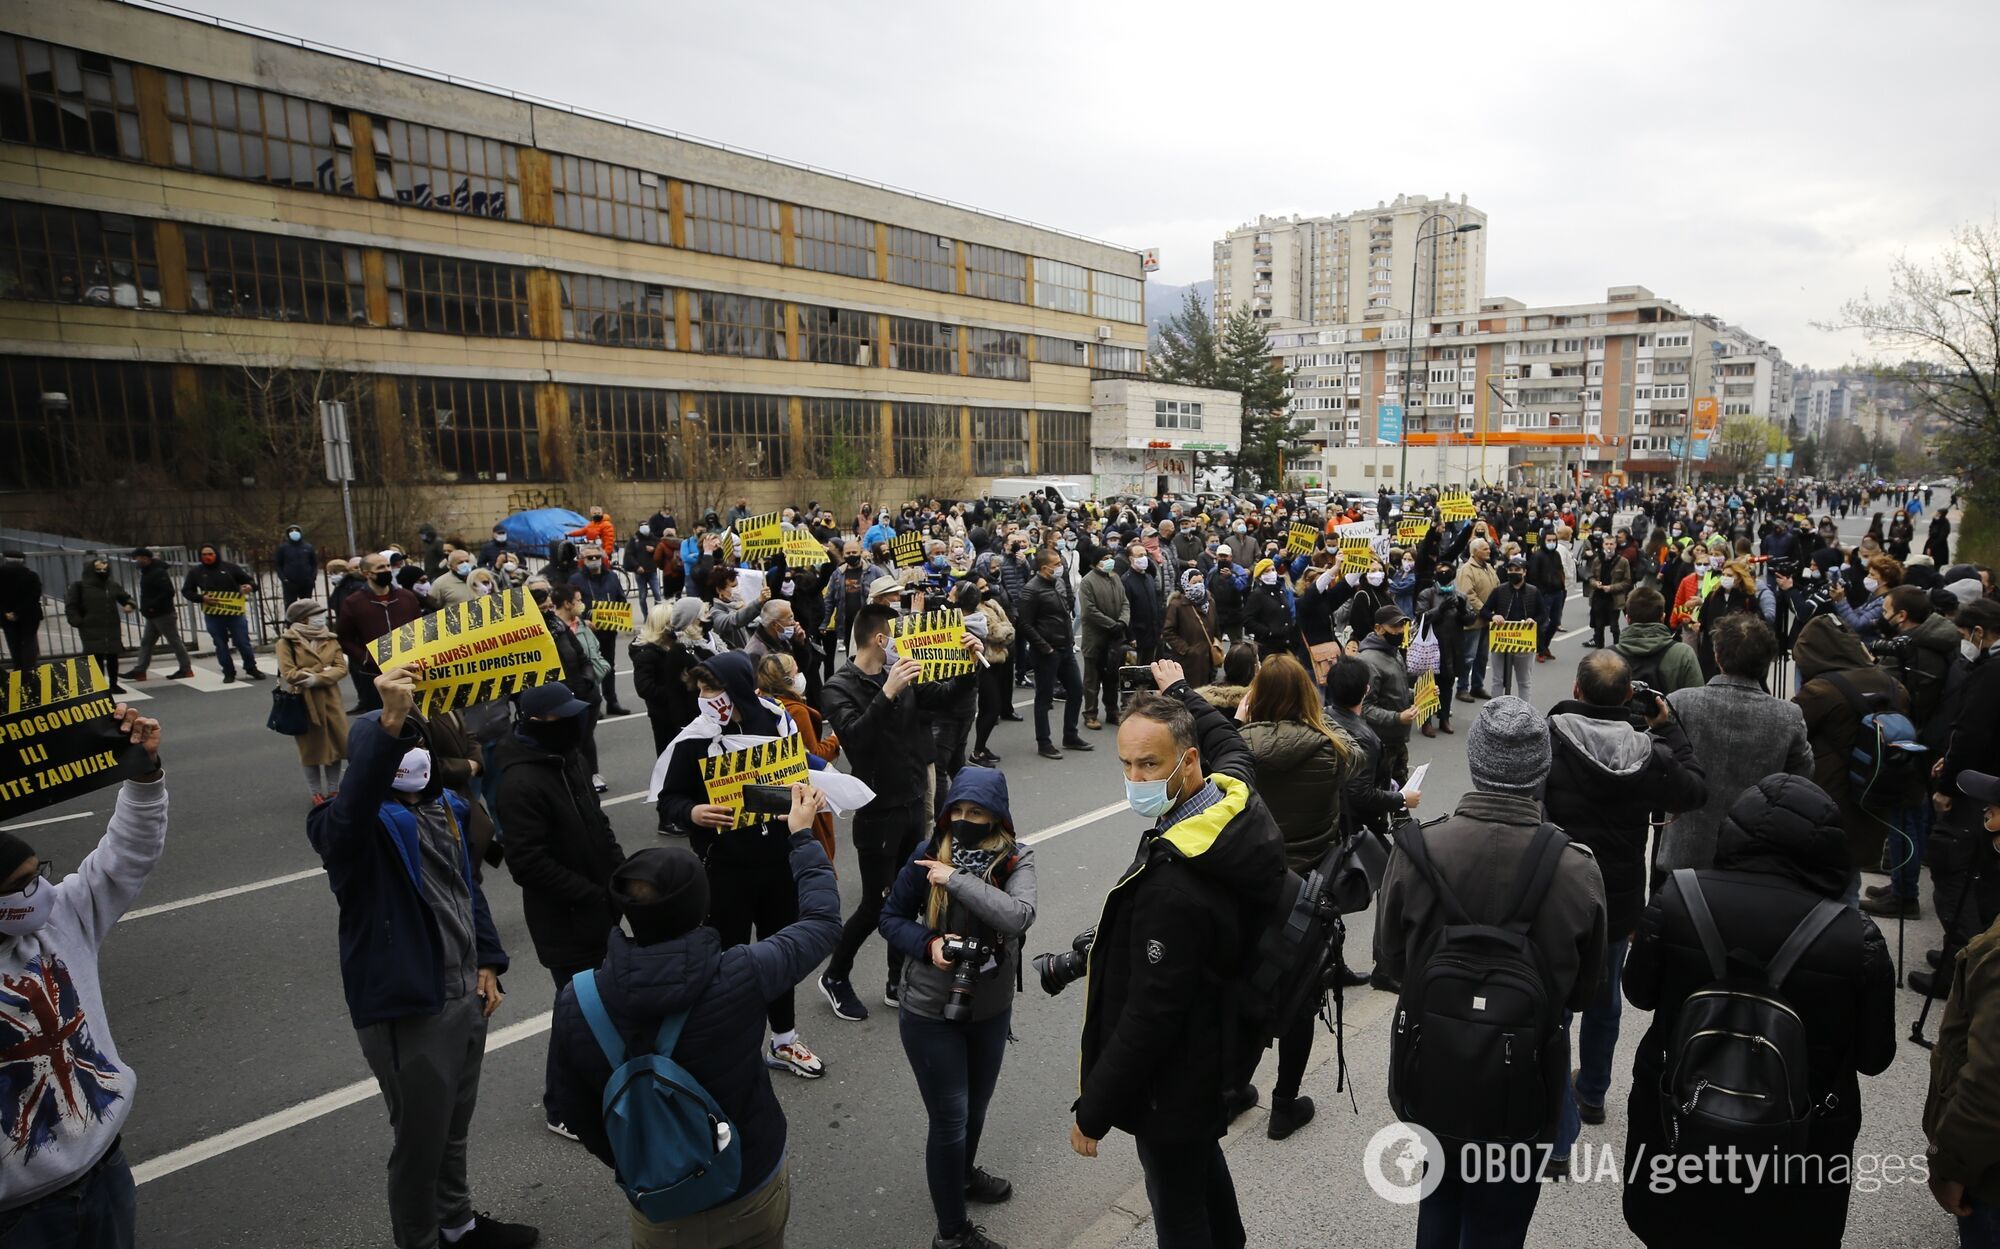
854, 561
968, 832
383, 579
555, 736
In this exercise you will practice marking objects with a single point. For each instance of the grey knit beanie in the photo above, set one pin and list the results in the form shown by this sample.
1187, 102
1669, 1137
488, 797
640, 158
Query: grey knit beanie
1508, 747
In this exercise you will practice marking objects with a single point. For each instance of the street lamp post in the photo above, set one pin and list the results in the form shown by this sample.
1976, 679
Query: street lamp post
1687, 433
1410, 341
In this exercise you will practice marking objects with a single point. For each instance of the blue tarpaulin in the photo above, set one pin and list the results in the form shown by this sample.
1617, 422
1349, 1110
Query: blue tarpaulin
534, 530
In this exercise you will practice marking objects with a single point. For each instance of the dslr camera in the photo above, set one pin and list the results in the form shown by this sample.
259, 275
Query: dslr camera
1058, 971
966, 956
1645, 701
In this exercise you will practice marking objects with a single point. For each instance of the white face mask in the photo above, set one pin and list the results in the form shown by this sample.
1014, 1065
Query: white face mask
484, 587
788, 588
799, 684
27, 912
1269, 578
317, 620
1729, 581
414, 772
1140, 563
1374, 578
423, 589
1353, 578
1715, 562
1870, 584
717, 708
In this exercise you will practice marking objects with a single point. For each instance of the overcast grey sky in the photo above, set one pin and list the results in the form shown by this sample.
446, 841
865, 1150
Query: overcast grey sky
1758, 160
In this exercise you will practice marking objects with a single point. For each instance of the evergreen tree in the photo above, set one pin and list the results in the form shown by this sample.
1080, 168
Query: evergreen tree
1185, 351
1246, 366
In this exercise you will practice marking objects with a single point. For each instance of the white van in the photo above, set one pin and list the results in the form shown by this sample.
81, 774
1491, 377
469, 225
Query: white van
1008, 489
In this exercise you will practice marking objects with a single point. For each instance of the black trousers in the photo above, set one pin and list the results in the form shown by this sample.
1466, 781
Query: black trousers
996, 692
24, 643
1192, 1195
884, 841
759, 898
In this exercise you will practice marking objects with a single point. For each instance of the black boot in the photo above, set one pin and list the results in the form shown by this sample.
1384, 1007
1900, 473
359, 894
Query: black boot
1288, 1115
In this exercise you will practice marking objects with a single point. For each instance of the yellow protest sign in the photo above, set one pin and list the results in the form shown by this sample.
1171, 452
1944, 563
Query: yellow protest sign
1511, 637
1411, 532
614, 617
1356, 555
59, 738
761, 536
802, 550
1301, 539
780, 761
1456, 505
907, 550
1425, 697
218, 603
937, 640
473, 652
1532, 537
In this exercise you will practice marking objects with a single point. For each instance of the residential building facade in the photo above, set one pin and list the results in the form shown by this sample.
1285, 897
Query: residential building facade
1531, 395
1339, 269
204, 231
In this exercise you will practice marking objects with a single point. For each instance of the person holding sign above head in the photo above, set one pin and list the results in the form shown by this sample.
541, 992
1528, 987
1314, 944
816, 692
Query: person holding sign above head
600, 583
420, 962
66, 1184
751, 887
222, 589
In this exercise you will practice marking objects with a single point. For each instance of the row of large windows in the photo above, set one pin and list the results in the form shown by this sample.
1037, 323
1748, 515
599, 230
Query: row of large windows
68, 255
58, 97
77, 423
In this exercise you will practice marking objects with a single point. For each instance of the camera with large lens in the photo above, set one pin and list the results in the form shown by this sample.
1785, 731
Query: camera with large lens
1058, 971
1896, 647
1645, 700
966, 956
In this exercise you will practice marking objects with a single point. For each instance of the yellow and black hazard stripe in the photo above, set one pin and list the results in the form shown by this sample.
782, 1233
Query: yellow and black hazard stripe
54, 682
460, 694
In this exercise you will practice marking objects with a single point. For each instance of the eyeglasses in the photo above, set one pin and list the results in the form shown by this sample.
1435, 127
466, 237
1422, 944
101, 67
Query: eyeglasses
45, 872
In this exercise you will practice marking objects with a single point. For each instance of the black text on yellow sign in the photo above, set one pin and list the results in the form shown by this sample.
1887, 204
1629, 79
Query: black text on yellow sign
611, 617
761, 536
907, 549
1511, 637
58, 738
780, 761
1356, 554
936, 639
1455, 506
214, 603
473, 652
802, 550
1411, 532
1425, 697
1301, 539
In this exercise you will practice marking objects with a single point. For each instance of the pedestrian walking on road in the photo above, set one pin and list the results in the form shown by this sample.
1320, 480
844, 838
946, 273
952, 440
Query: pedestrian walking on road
156, 608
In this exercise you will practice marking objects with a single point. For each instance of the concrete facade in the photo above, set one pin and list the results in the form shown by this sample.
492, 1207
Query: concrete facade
1147, 437
1353, 267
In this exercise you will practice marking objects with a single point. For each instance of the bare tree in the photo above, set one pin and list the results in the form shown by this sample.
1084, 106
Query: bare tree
1942, 317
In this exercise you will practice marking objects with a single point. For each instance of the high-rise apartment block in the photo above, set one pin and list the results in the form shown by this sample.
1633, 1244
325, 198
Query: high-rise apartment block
1333, 270
1512, 393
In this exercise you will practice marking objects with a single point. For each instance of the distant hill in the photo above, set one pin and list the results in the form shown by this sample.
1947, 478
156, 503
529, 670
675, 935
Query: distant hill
1164, 300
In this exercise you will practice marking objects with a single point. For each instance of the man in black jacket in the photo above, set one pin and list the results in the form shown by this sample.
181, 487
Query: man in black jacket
559, 846
20, 609
1513, 601
297, 564
1156, 1055
1043, 623
156, 607
213, 575
872, 703
671, 964
1608, 773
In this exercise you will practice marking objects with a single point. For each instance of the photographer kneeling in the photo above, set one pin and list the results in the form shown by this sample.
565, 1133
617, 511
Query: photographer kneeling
1174, 932
957, 914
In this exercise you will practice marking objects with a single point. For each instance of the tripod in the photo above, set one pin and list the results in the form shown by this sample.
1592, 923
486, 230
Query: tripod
1952, 945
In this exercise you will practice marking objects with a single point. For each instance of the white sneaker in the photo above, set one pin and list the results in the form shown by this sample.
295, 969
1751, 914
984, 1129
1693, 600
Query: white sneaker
561, 1129
795, 1058
597, 782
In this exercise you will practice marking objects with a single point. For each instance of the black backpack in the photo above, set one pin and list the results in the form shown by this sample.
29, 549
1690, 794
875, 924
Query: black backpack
1736, 1072
1285, 964
1647, 667
1470, 1057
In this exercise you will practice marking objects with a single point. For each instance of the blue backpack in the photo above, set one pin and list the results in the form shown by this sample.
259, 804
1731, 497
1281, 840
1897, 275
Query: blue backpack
677, 1153
1886, 757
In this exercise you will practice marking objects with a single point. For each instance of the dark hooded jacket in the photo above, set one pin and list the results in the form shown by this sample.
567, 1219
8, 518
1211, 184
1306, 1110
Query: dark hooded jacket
1302, 776
92, 607
1174, 930
884, 738
1920, 663
297, 563
1370, 798
1607, 777
1780, 850
1827, 645
560, 849
996, 907
683, 790
725, 993
221, 577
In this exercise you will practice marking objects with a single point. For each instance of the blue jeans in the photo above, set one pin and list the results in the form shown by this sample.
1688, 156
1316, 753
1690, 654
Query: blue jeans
1463, 1214
1981, 1228
649, 588
1906, 850
956, 1065
97, 1212
1472, 673
225, 630
1597, 1041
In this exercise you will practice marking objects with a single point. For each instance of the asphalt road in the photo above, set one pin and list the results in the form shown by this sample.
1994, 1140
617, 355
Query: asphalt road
256, 1122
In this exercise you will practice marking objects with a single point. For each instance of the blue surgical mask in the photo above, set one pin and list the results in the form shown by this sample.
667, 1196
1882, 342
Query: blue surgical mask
1151, 799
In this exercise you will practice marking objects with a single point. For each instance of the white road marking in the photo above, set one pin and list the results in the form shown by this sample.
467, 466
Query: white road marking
1564, 637
1070, 826
634, 796
220, 894
54, 819
305, 1112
